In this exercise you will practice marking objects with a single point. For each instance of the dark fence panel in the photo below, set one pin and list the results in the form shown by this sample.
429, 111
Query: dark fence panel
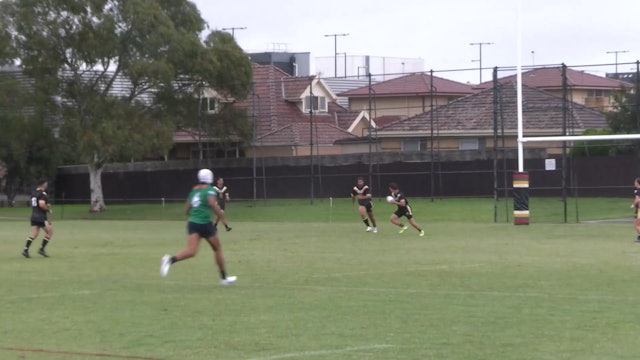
594, 176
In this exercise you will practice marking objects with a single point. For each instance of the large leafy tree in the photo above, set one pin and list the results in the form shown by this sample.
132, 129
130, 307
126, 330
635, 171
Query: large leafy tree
623, 118
26, 143
119, 72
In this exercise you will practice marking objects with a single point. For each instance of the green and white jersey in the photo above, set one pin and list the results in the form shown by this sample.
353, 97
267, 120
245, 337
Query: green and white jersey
200, 212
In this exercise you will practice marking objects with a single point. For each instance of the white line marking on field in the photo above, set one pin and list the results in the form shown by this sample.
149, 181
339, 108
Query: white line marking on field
323, 352
35, 296
426, 268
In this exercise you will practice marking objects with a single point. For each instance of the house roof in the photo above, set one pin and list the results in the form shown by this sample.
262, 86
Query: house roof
412, 84
473, 114
551, 78
278, 119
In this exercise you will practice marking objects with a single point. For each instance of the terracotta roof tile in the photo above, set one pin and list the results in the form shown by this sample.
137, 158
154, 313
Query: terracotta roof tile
280, 122
412, 84
542, 113
551, 78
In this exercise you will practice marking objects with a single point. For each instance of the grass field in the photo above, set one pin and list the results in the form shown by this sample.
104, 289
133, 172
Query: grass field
313, 285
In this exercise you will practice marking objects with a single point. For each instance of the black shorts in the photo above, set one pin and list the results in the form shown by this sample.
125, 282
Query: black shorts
204, 230
404, 211
368, 205
39, 223
221, 204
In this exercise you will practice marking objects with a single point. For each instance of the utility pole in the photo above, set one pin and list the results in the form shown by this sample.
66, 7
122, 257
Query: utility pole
233, 30
616, 52
335, 51
480, 57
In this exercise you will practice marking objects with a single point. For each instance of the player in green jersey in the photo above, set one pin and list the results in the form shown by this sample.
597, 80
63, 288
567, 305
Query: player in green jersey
200, 203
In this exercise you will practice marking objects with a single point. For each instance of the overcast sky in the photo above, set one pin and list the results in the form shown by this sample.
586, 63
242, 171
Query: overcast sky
440, 32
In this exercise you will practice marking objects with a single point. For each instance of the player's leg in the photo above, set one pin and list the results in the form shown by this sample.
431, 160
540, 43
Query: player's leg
226, 225
216, 246
395, 219
636, 224
372, 218
190, 251
413, 223
194, 231
48, 233
363, 215
35, 229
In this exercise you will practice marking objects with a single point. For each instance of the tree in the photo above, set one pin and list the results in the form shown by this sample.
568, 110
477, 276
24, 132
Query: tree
623, 119
119, 72
26, 143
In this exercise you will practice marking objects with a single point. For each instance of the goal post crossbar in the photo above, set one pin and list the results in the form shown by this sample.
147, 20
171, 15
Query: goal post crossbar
579, 138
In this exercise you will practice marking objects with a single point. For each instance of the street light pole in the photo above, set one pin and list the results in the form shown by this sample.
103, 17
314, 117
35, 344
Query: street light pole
480, 57
233, 30
335, 51
616, 52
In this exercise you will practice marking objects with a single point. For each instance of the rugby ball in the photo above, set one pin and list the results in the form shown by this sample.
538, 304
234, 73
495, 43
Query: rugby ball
389, 198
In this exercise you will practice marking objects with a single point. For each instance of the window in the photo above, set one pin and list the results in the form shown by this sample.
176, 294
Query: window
411, 144
211, 105
469, 144
598, 93
319, 103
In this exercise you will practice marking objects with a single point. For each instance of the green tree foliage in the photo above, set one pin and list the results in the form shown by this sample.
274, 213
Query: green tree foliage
26, 143
121, 73
623, 119
600, 147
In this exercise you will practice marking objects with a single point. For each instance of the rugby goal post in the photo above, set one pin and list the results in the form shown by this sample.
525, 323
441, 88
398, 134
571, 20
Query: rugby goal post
521, 178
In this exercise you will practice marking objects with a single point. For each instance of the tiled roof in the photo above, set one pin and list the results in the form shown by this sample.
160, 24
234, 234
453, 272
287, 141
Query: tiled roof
551, 78
280, 122
412, 84
542, 113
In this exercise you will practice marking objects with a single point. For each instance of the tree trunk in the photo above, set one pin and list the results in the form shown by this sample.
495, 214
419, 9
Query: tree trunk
95, 181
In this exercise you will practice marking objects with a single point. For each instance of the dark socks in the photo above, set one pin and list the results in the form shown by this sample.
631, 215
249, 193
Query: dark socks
28, 244
223, 274
366, 221
45, 241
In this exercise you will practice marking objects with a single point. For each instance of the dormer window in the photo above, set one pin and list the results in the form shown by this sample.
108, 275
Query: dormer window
319, 103
211, 105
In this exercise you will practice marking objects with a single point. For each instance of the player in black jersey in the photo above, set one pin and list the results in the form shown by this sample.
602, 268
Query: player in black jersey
222, 195
403, 210
636, 206
39, 209
362, 193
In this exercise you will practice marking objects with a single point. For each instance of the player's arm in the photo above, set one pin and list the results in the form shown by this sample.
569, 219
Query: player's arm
636, 202
42, 203
226, 196
213, 204
187, 206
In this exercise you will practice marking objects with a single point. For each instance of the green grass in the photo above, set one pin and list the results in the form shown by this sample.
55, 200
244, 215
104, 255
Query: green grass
309, 288
481, 210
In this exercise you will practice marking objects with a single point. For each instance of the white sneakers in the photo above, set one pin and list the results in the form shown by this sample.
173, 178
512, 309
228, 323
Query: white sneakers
375, 230
229, 280
165, 265
372, 229
369, 228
